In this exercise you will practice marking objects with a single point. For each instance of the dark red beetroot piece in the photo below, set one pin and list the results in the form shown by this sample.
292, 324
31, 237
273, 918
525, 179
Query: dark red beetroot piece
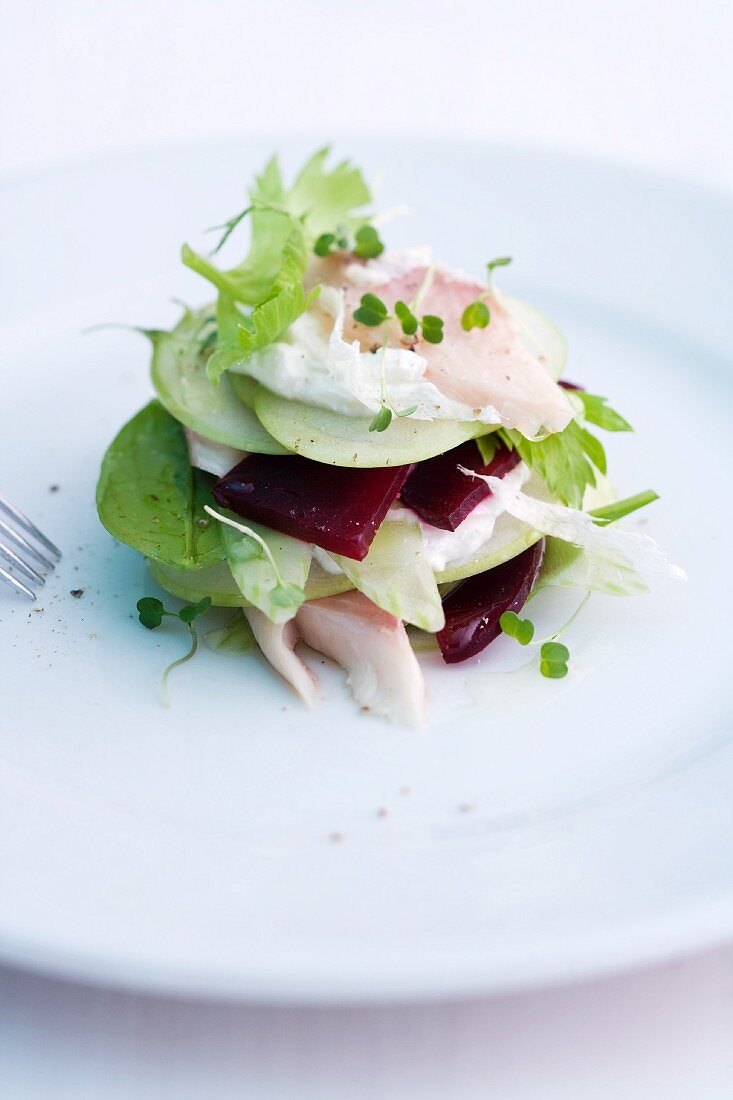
442, 495
473, 609
570, 385
335, 507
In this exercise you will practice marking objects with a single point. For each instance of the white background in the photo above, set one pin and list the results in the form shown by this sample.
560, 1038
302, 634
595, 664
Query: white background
645, 81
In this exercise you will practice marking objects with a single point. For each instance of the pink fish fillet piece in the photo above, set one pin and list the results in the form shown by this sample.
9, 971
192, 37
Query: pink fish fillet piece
373, 648
370, 645
495, 366
277, 641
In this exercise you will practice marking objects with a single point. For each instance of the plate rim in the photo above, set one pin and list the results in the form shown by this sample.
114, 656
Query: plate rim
643, 942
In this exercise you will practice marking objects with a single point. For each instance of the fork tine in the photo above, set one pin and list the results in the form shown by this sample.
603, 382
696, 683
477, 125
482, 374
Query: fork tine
11, 556
22, 541
15, 583
29, 527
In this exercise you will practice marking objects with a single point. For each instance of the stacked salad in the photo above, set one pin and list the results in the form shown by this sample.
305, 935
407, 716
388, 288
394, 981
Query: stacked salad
365, 451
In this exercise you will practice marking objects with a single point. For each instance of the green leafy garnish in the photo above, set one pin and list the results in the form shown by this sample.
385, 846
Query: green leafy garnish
191, 611
382, 420
609, 513
597, 411
432, 328
475, 315
567, 461
491, 266
324, 198
318, 199
520, 629
273, 316
564, 460
285, 224
270, 317
554, 658
328, 243
488, 446
406, 317
228, 227
372, 311
151, 613
368, 243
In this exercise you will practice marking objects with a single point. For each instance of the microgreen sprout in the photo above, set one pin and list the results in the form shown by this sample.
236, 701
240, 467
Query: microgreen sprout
406, 317
522, 630
367, 244
432, 328
230, 225
382, 420
475, 315
328, 243
491, 266
387, 411
554, 658
151, 613
372, 312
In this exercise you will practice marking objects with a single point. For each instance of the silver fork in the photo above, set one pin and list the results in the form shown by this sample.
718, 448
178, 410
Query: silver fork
20, 544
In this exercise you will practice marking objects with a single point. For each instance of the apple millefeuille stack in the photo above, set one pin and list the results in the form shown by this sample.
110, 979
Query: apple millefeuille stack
365, 451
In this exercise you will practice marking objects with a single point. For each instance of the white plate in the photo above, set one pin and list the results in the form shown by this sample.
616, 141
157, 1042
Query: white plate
551, 829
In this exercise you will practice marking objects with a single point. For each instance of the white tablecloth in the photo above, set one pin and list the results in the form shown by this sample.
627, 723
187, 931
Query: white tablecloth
646, 82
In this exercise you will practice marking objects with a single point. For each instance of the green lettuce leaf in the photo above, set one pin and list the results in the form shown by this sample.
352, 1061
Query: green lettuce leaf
596, 410
240, 335
150, 498
396, 576
319, 199
569, 461
328, 199
272, 317
565, 461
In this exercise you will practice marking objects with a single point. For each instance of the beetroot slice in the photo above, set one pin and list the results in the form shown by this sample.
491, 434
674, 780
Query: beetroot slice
442, 495
571, 385
335, 507
473, 609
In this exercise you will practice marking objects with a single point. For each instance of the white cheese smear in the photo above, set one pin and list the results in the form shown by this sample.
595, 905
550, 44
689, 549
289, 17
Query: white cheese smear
444, 548
309, 364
